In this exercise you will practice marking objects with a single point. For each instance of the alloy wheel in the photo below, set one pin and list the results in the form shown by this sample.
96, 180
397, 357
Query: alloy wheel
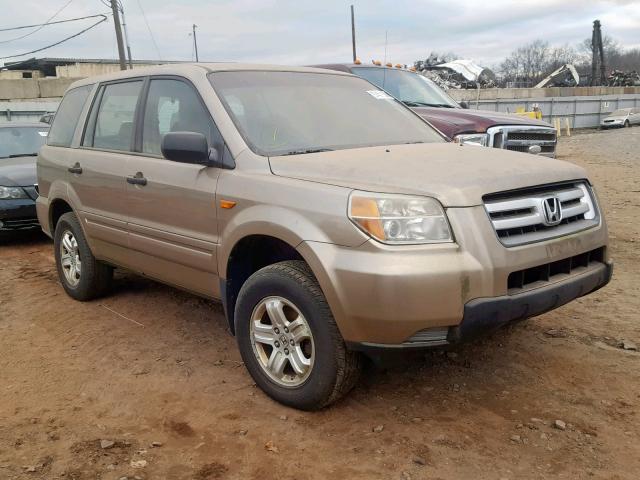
70, 258
282, 341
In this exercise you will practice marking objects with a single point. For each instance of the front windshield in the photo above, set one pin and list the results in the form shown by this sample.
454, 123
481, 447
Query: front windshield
620, 113
412, 89
280, 113
19, 141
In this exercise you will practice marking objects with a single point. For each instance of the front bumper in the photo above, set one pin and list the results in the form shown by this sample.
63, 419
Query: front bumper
485, 314
616, 123
397, 296
19, 214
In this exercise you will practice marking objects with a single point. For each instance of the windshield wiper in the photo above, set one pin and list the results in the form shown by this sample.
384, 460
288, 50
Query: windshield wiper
14, 155
413, 103
308, 150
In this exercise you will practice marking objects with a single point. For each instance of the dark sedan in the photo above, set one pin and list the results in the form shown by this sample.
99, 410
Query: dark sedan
19, 145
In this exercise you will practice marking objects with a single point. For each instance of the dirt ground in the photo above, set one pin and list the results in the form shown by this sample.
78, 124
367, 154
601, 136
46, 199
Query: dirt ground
152, 364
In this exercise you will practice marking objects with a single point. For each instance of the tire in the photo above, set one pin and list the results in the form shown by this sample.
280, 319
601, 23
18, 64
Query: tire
333, 371
94, 277
627, 124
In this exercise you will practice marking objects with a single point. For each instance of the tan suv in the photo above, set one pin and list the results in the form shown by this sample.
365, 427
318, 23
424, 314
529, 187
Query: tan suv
328, 217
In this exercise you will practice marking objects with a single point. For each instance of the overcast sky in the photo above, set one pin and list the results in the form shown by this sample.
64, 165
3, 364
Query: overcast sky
304, 31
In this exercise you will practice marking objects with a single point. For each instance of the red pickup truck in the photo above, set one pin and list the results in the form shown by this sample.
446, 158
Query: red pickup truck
477, 127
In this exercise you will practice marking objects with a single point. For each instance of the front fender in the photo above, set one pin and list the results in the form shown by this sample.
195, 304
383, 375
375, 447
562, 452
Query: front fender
289, 225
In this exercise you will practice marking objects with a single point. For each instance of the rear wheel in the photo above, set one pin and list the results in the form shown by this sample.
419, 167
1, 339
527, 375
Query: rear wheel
289, 340
82, 276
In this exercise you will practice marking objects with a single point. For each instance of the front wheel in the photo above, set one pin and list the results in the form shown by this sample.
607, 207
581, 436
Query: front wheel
82, 276
289, 340
627, 124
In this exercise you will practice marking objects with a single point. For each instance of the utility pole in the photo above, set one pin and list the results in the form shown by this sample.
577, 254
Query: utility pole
597, 56
195, 42
126, 38
116, 22
353, 34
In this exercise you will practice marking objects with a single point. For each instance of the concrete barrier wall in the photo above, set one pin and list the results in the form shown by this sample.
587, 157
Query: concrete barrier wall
583, 106
30, 88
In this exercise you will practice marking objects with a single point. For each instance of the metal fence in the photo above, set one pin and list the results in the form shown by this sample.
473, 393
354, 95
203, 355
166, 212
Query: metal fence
582, 112
26, 111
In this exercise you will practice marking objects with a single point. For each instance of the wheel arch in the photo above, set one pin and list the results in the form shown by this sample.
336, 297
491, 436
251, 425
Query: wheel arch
249, 254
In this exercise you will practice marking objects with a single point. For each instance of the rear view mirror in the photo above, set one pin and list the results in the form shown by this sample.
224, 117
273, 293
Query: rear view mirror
464, 104
185, 147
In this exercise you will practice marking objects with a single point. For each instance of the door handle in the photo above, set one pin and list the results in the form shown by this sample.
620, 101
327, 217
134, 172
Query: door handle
77, 169
137, 179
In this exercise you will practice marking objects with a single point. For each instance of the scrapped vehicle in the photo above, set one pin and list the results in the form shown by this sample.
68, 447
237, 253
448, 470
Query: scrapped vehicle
624, 117
328, 218
462, 125
19, 145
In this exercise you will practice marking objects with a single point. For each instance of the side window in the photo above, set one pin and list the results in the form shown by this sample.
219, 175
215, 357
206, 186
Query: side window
112, 127
174, 106
67, 116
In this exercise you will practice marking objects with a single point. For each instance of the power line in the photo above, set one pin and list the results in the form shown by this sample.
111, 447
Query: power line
53, 23
149, 28
40, 27
104, 19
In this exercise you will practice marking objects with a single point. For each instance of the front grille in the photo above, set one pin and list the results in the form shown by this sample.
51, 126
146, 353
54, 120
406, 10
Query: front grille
549, 272
19, 224
521, 138
520, 216
544, 149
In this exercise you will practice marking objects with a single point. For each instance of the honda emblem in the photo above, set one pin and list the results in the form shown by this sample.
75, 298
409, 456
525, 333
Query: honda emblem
552, 211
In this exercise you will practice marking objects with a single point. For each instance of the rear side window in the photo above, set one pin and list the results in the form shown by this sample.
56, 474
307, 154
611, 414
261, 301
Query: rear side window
67, 116
111, 126
173, 106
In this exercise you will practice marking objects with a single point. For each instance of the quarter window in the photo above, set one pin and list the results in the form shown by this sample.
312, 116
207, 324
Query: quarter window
67, 116
113, 128
174, 106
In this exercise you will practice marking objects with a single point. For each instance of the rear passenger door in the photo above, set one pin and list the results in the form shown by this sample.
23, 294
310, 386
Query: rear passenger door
635, 116
100, 168
172, 214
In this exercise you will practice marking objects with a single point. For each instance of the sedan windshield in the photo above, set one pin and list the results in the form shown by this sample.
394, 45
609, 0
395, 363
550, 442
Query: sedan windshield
291, 113
21, 141
412, 89
620, 113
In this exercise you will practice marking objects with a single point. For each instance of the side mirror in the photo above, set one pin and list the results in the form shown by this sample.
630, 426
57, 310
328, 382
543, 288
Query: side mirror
185, 147
464, 104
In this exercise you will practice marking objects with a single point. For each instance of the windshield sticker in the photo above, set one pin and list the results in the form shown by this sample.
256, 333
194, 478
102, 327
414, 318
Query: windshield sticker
379, 95
42, 134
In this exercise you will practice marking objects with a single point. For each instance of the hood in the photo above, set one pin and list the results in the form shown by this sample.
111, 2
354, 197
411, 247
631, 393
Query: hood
454, 121
18, 172
617, 117
457, 175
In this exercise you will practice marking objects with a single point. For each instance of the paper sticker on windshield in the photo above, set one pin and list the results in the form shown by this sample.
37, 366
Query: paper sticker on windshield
42, 134
379, 95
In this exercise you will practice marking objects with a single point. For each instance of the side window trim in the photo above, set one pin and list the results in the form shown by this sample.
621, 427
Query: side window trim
91, 118
90, 121
138, 119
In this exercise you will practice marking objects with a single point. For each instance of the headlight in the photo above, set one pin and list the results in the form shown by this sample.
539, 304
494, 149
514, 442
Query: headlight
477, 139
11, 193
399, 219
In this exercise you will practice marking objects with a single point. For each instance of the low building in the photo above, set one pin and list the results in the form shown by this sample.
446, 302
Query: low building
67, 67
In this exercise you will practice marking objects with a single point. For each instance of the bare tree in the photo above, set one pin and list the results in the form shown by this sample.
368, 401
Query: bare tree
526, 64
